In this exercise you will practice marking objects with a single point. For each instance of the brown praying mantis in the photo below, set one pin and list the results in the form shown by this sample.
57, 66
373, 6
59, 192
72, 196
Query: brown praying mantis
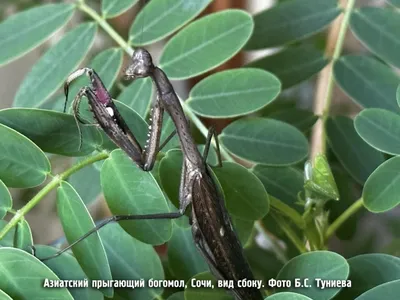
212, 227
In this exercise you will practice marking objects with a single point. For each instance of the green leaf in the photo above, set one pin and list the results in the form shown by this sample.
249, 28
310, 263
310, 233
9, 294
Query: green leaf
5, 200
184, 258
265, 141
196, 293
52, 131
361, 268
24, 277
356, 156
54, 66
387, 291
4, 296
26, 30
8, 239
265, 268
66, 267
138, 96
233, 93
76, 221
288, 296
293, 64
23, 236
291, 21
245, 195
113, 8
303, 120
309, 266
170, 174
209, 42
380, 191
22, 163
284, 183
395, 3
131, 260
398, 95
159, 18
367, 81
379, 30
129, 190
177, 296
380, 129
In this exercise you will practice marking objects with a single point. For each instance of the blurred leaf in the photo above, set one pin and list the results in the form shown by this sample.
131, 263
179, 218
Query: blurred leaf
387, 291
380, 129
398, 95
23, 236
384, 267
303, 120
177, 296
54, 66
243, 228
113, 8
356, 156
25, 275
22, 163
4, 296
66, 267
381, 191
265, 141
76, 221
159, 18
379, 30
323, 265
288, 296
184, 258
129, 190
245, 195
196, 293
206, 43
138, 96
284, 183
52, 131
131, 259
265, 268
86, 182
233, 93
395, 3
5, 200
291, 21
170, 174
293, 65
367, 81
26, 30
8, 239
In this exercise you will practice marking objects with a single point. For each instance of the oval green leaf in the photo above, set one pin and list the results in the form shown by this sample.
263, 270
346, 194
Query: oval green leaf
170, 174
76, 221
265, 141
288, 296
387, 291
184, 259
293, 64
380, 192
379, 30
291, 21
113, 8
356, 156
4, 296
23, 236
138, 96
303, 120
66, 267
131, 259
52, 131
361, 268
26, 30
129, 190
54, 66
5, 200
245, 195
8, 239
22, 163
380, 129
322, 265
284, 183
367, 81
160, 18
233, 93
209, 41
24, 276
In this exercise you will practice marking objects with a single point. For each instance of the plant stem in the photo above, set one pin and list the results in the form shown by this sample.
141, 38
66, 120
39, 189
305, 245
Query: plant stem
343, 217
19, 215
106, 27
325, 84
286, 210
289, 233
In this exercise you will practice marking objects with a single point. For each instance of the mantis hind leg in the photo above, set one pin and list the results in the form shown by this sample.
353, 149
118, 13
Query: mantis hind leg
75, 106
211, 133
